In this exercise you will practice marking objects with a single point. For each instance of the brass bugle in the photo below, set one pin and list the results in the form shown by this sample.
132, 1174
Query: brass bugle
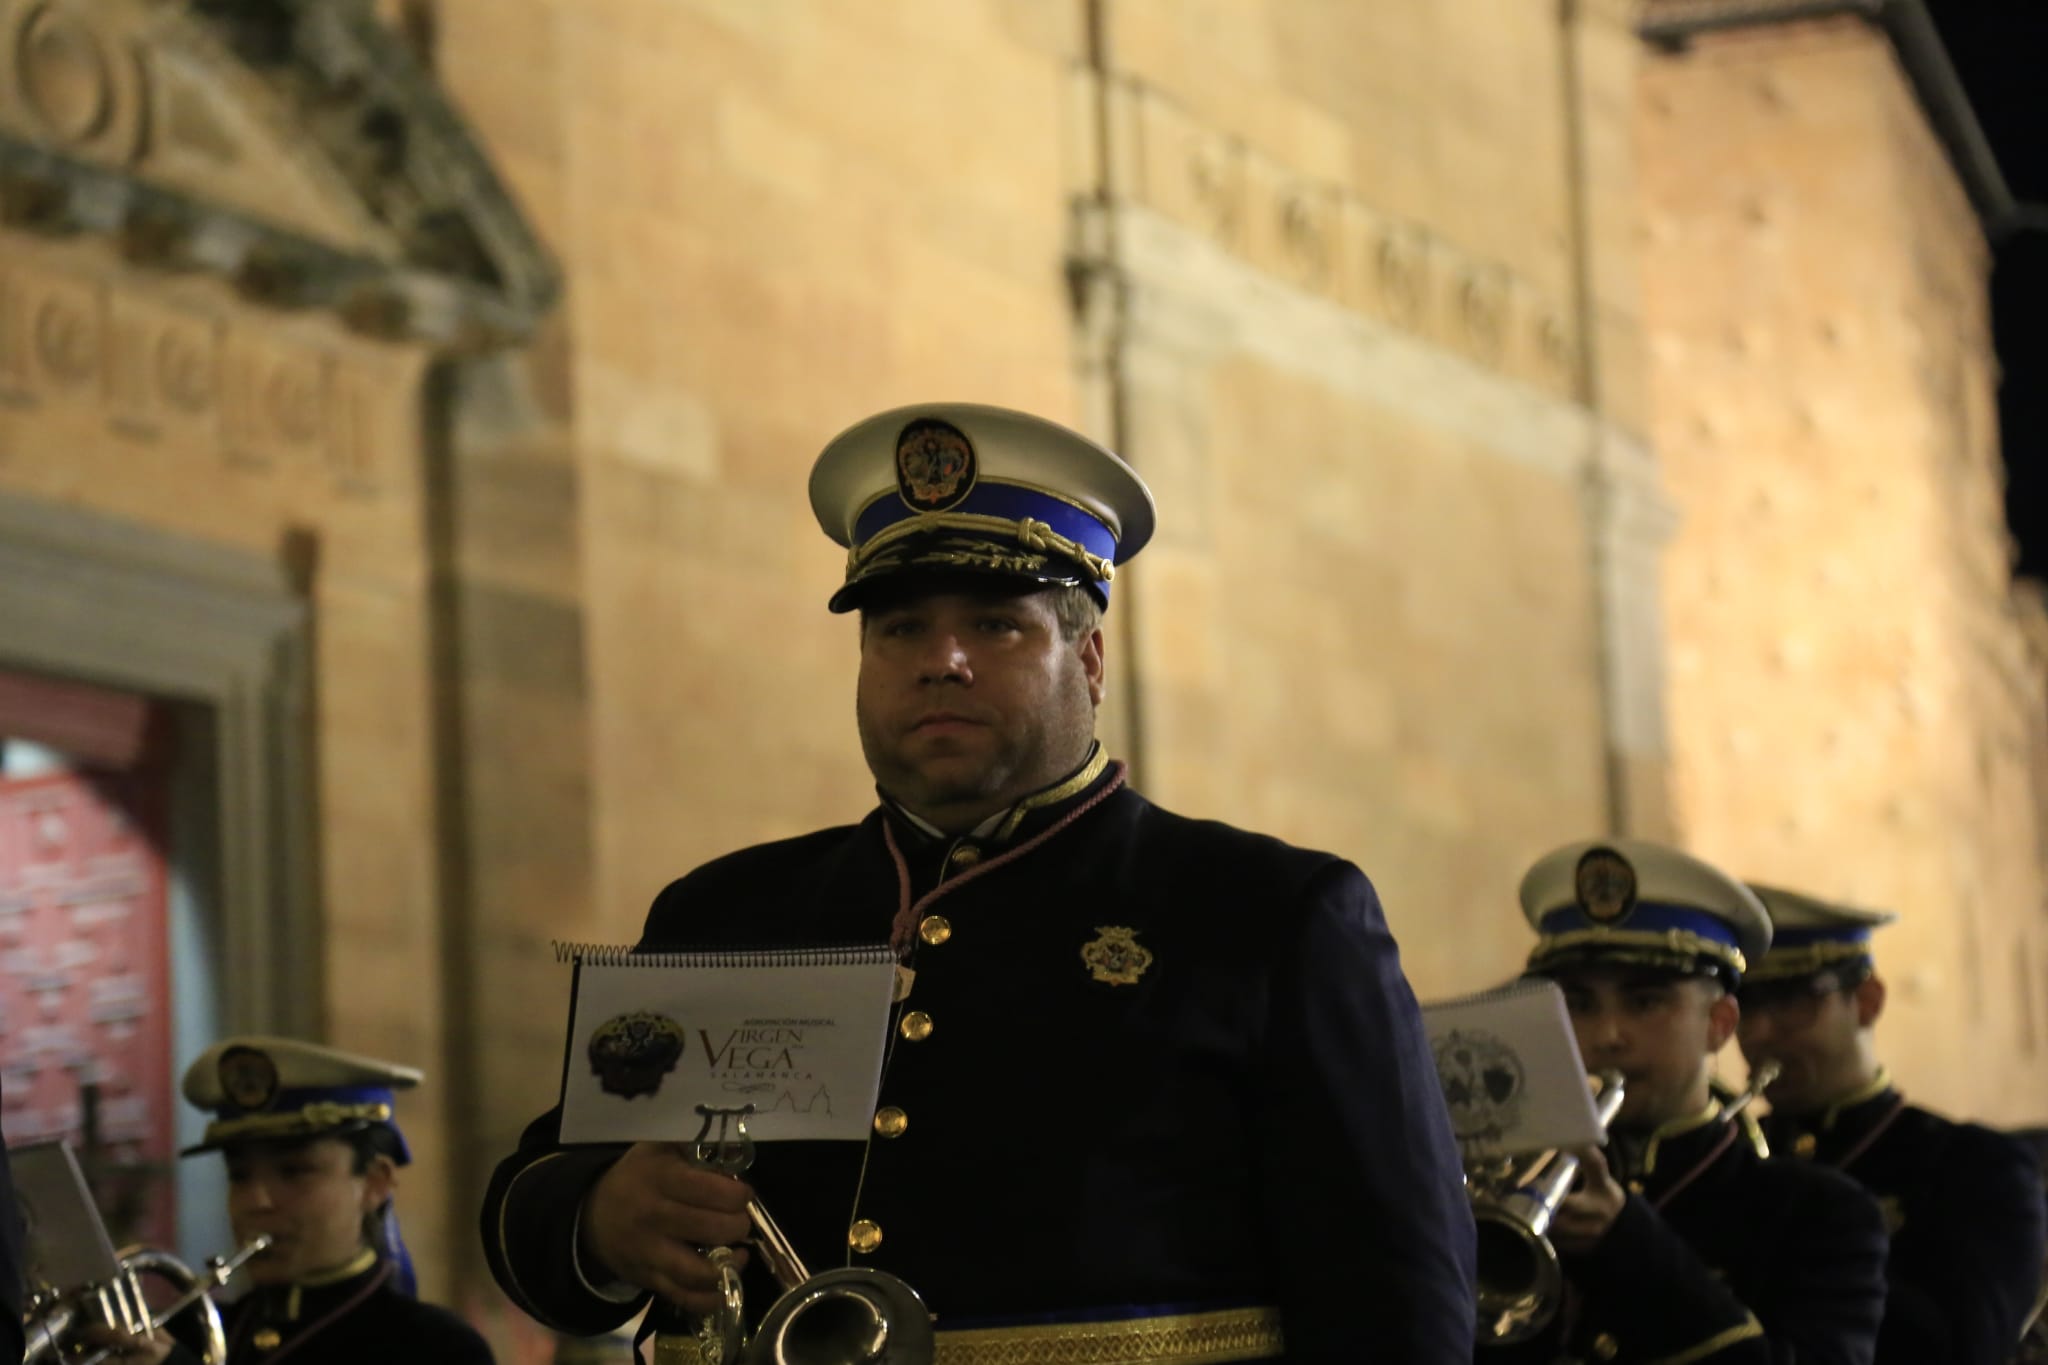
55, 1318
854, 1315
1520, 1282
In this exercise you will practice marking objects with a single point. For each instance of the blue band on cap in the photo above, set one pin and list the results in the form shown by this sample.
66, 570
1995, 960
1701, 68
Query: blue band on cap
991, 498
1806, 938
1647, 917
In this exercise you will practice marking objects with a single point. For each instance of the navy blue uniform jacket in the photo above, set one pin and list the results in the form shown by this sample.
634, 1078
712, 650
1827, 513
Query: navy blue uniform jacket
350, 1321
1255, 1120
1722, 1256
1964, 1207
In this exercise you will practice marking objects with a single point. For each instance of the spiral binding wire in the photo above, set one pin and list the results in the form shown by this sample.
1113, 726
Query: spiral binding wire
626, 955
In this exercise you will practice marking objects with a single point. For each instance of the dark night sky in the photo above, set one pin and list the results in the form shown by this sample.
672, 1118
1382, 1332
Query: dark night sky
1997, 45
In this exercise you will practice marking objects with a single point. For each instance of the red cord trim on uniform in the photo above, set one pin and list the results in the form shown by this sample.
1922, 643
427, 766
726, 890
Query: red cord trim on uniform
347, 1305
899, 936
1727, 1141
1876, 1132
903, 931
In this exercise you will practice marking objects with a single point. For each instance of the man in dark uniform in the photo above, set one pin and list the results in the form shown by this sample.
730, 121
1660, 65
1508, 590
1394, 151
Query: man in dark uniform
1683, 1243
313, 1152
1963, 1203
1158, 1089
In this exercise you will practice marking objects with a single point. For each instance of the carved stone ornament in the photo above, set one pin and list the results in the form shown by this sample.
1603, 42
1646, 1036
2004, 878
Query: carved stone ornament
149, 366
1401, 270
1305, 230
63, 72
1483, 310
77, 83
295, 147
184, 368
1218, 184
67, 340
1319, 235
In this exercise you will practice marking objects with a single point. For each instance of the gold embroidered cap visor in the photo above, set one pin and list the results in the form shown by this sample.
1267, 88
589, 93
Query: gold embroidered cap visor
967, 491
264, 1089
1811, 936
322, 1117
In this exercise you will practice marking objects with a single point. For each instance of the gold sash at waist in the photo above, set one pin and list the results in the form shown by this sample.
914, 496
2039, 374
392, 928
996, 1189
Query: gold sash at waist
1228, 1334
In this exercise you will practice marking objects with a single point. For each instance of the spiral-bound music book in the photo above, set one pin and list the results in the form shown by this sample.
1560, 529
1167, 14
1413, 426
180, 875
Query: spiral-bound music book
1509, 1064
797, 1033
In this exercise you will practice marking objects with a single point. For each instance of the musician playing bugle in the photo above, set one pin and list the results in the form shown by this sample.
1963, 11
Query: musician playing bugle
312, 1150
1682, 1242
1157, 1088
1963, 1202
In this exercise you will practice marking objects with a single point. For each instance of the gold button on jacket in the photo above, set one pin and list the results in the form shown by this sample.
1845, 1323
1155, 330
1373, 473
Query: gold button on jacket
891, 1121
935, 929
916, 1026
864, 1236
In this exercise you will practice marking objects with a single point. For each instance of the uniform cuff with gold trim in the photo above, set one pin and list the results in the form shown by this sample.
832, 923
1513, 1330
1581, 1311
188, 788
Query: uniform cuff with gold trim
1173, 1334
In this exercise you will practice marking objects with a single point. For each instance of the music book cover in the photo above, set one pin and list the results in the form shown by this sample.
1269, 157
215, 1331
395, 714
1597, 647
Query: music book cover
65, 1241
797, 1033
1509, 1064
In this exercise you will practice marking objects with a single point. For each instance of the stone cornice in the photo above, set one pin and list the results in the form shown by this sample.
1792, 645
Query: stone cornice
1907, 25
291, 146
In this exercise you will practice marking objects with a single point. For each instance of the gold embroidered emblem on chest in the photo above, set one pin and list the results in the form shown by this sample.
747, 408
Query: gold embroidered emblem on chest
1115, 957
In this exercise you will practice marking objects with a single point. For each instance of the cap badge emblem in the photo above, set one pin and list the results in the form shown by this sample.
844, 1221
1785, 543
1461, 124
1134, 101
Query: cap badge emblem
935, 465
1115, 957
248, 1077
1606, 886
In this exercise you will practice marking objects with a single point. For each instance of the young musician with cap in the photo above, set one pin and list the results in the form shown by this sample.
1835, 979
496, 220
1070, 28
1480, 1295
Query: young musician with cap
1158, 1091
1683, 1243
313, 1152
1963, 1202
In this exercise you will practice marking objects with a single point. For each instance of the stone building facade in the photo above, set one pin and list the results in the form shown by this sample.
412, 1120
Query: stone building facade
1444, 369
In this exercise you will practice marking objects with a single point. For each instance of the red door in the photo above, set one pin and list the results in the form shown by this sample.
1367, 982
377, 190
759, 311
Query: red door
85, 1027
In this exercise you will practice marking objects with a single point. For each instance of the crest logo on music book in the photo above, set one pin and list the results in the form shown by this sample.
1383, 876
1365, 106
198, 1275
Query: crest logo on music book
631, 1053
1483, 1083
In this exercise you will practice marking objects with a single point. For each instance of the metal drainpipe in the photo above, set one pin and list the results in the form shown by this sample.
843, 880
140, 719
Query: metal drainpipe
1122, 624
1586, 385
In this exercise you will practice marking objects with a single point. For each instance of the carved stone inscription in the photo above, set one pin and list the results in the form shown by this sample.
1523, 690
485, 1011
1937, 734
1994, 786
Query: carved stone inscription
152, 368
1324, 239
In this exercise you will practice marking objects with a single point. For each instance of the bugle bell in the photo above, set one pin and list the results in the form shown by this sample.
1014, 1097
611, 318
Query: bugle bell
850, 1316
1520, 1282
55, 1319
